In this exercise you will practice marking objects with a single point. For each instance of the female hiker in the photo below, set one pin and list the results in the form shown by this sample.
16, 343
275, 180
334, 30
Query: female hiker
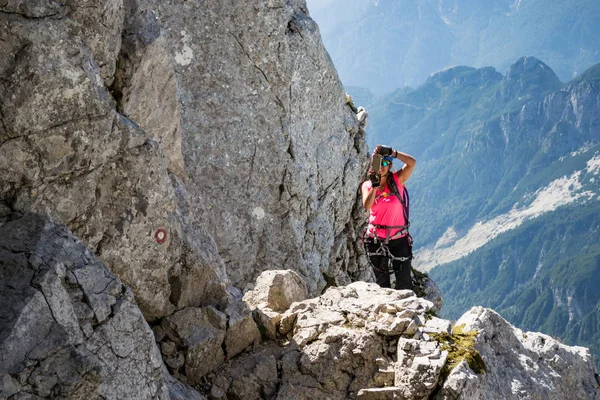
387, 242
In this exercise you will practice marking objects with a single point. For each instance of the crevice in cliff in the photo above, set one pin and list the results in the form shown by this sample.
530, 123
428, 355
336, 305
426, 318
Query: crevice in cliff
10, 139
251, 169
330, 281
176, 289
89, 118
292, 27
47, 303
106, 286
56, 15
277, 99
290, 150
119, 78
281, 190
13, 136
326, 191
282, 187
223, 345
124, 67
72, 174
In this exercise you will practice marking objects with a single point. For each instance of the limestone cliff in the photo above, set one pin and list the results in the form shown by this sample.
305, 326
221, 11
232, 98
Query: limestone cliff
190, 146
256, 125
160, 132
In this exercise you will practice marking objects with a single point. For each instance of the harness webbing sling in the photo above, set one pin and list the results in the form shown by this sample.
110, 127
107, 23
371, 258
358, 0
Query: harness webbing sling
384, 251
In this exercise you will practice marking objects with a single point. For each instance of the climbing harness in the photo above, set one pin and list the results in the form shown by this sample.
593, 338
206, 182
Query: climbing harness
384, 251
388, 228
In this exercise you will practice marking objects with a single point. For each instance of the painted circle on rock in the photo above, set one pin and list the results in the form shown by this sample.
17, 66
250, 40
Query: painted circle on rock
160, 235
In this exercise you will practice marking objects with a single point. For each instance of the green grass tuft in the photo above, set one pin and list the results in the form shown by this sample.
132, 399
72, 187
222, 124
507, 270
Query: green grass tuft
460, 345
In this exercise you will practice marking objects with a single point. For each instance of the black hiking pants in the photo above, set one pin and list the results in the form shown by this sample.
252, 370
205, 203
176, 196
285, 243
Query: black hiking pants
380, 263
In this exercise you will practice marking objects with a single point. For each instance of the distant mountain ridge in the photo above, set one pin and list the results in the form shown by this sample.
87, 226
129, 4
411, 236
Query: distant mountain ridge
477, 133
506, 194
385, 44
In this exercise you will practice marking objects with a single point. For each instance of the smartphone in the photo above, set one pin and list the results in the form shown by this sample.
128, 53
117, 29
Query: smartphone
376, 163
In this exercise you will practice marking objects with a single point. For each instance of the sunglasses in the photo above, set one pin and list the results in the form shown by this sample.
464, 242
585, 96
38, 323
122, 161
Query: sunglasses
385, 163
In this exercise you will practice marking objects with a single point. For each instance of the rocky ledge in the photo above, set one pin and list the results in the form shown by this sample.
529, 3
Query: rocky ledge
70, 329
361, 341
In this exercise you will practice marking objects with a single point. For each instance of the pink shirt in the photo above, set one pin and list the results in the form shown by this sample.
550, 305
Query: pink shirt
386, 209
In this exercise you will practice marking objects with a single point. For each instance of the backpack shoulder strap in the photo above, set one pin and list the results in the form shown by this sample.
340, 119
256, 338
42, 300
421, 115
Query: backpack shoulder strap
404, 199
394, 186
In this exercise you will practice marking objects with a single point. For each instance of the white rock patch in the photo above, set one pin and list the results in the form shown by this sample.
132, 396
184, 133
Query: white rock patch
258, 213
558, 193
593, 165
186, 55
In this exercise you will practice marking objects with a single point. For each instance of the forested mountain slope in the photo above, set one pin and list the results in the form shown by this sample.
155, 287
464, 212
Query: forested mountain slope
505, 200
486, 142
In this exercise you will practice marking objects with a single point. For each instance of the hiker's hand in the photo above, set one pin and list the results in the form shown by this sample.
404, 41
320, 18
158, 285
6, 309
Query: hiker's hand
384, 150
376, 150
374, 178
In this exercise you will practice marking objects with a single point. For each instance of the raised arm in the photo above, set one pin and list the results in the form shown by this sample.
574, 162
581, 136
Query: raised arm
409, 165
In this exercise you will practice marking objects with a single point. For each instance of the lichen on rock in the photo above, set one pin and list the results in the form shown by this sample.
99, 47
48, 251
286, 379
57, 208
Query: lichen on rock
460, 346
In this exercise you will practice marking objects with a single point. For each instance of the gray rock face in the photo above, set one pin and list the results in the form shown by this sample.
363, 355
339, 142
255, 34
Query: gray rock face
69, 328
272, 152
65, 152
157, 132
365, 342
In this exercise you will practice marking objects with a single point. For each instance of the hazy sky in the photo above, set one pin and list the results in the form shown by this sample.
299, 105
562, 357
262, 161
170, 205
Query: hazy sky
316, 4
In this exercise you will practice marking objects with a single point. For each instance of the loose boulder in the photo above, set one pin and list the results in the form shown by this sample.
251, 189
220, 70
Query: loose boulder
272, 295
